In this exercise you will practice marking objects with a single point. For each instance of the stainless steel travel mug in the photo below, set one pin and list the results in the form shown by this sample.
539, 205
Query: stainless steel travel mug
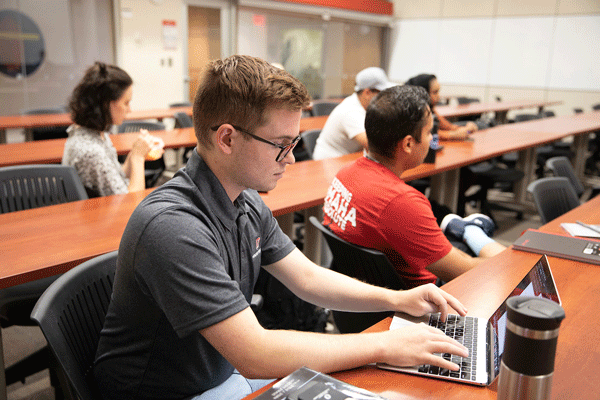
527, 365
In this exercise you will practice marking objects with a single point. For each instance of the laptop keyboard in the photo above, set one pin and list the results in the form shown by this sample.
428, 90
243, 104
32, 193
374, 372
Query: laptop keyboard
464, 331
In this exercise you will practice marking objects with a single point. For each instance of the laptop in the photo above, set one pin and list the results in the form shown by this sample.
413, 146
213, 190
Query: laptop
483, 338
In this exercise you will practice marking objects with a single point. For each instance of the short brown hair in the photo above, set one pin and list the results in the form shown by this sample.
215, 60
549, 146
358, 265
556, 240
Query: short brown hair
239, 90
90, 101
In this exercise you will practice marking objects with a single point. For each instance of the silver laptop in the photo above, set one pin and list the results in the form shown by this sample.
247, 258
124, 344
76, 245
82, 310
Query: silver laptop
483, 338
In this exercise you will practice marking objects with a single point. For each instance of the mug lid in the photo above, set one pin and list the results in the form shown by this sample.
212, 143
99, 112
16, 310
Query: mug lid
534, 312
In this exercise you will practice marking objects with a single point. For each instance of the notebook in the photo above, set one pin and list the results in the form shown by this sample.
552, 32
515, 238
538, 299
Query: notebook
571, 248
487, 336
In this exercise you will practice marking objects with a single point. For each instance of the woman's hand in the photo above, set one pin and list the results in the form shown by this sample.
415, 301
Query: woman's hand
471, 127
142, 145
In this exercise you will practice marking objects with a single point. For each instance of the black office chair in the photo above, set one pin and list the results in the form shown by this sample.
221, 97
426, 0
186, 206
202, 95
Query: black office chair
561, 166
71, 314
46, 132
30, 186
364, 264
135, 126
323, 107
182, 104
183, 120
543, 153
488, 175
553, 197
22, 188
153, 169
467, 100
309, 140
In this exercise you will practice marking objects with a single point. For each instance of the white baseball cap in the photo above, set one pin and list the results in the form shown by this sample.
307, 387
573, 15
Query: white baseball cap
372, 78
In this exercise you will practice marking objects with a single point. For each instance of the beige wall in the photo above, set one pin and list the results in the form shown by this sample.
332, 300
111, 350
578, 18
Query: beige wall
157, 84
452, 9
157, 72
492, 8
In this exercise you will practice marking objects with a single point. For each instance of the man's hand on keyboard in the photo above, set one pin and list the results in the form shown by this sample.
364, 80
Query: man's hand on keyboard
429, 299
416, 345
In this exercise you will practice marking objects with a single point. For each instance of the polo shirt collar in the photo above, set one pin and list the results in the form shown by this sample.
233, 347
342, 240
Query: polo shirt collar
211, 188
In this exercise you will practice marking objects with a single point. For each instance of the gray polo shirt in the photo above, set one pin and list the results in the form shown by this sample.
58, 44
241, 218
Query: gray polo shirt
189, 258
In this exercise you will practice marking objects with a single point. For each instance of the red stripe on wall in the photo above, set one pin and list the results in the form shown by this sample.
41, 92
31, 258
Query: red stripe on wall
382, 7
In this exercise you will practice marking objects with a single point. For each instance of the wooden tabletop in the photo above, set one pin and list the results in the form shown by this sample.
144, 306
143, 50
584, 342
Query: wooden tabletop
51, 151
50, 240
482, 290
39, 120
33, 121
480, 108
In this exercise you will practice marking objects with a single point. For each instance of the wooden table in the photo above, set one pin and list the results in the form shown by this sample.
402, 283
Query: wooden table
482, 290
578, 125
51, 151
75, 232
500, 108
50, 240
41, 120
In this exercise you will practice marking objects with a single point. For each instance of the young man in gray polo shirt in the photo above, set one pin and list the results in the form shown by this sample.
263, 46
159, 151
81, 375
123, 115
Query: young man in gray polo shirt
179, 325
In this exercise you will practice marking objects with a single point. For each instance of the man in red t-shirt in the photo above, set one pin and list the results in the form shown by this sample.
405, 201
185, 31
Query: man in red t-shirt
369, 205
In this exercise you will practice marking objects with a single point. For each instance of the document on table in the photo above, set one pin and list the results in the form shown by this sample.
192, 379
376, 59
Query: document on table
575, 229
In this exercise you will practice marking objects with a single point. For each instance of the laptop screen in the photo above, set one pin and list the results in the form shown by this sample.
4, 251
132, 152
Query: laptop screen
537, 283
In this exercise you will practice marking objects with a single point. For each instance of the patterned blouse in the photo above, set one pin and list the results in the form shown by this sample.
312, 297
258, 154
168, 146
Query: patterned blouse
95, 161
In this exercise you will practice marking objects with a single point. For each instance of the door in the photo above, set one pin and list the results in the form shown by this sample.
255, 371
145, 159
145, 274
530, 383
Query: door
204, 42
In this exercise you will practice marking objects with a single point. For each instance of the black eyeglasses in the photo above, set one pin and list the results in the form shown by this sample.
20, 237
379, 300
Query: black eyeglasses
284, 149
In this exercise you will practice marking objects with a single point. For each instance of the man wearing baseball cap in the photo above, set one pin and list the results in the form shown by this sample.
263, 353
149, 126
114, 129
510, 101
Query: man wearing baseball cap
344, 131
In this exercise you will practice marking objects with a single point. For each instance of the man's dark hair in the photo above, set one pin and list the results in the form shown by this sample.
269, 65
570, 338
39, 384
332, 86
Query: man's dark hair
394, 114
422, 80
90, 101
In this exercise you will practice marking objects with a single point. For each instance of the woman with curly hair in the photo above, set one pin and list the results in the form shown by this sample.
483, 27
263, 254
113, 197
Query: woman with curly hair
99, 101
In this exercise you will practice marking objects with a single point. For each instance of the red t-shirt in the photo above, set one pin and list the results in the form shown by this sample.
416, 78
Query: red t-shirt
368, 205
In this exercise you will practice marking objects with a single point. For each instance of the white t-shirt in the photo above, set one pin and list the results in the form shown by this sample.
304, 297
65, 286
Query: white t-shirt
345, 122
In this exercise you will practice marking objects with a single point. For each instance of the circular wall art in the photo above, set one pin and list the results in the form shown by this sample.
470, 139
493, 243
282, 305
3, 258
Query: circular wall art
22, 49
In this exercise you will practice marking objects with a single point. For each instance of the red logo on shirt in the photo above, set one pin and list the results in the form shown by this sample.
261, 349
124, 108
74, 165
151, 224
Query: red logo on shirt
257, 242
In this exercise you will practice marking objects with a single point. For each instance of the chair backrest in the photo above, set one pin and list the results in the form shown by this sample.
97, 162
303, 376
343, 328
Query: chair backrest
526, 117
182, 104
47, 132
30, 186
561, 166
71, 314
54, 110
309, 138
553, 197
183, 120
320, 108
467, 100
135, 126
364, 264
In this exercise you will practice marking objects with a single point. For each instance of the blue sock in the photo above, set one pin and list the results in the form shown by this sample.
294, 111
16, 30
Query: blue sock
476, 238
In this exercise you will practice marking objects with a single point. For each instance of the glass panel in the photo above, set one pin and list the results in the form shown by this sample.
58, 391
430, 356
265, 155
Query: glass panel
300, 43
46, 47
295, 42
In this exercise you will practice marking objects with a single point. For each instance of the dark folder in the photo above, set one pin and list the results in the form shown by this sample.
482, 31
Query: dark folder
568, 247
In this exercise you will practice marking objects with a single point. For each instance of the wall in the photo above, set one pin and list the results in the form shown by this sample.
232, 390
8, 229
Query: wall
157, 72
514, 49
